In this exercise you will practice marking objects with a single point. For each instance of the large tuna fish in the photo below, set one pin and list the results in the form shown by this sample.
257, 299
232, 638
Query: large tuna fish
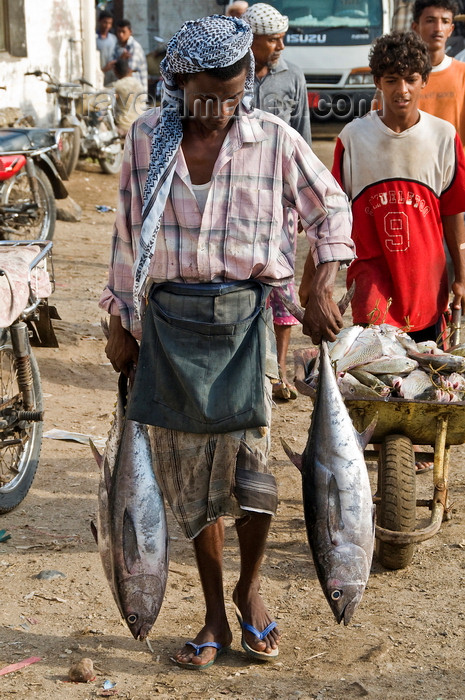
338, 507
107, 463
131, 525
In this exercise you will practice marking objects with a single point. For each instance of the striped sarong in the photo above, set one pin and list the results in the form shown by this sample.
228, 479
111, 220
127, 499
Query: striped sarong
205, 476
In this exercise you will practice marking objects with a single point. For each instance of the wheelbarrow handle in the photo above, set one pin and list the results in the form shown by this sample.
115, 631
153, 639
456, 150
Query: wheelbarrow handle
455, 335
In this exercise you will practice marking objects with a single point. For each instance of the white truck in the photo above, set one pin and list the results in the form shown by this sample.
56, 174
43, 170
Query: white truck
330, 40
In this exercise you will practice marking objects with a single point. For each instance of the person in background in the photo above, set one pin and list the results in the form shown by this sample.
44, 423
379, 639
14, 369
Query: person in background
236, 8
130, 100
154, 59
106, 43
279, 88
197, 243
130, 49
444, 94
407, 202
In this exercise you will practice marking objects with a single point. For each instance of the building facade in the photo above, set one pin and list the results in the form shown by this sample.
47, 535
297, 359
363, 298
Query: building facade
57, 36
162, 18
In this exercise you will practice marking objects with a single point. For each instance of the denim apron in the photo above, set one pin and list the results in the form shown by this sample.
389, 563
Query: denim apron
201, 365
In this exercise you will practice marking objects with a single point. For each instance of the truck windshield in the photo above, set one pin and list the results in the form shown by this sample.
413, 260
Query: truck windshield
324, 14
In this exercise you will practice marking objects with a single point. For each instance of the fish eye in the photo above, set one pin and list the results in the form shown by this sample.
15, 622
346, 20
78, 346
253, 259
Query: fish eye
335, 595
132, 618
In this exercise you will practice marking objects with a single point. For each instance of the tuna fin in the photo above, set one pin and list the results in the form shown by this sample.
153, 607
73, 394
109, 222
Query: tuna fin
335, 522
365, 437
96, 453
94, 531
295, 458
107, 475
130, 547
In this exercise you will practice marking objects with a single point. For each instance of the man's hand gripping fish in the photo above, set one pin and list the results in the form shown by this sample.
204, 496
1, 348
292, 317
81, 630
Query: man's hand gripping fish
339, 512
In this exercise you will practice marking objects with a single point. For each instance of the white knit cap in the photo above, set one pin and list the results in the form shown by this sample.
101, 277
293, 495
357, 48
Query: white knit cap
265, 19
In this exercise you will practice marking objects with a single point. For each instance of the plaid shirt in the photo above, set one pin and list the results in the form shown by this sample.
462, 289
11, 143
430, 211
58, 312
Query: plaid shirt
263, 166
137, 61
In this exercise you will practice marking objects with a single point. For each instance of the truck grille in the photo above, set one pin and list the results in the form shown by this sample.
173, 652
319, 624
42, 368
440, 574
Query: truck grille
323, 79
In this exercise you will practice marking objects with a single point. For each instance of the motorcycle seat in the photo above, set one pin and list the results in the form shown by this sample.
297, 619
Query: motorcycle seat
15, 140
16, 288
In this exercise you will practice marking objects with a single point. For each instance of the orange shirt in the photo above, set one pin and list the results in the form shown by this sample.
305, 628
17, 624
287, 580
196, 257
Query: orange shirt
444, 96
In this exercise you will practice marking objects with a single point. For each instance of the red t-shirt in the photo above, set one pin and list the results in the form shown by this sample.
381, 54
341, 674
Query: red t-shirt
400, 185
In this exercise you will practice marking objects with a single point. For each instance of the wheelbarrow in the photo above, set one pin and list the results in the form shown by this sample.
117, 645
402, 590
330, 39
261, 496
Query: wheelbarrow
400, 425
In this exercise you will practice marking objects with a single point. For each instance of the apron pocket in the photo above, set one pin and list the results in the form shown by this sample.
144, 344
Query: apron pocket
199, 376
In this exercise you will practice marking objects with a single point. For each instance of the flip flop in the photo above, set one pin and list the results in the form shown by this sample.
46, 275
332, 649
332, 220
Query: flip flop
198, 649
284, 391
253, 653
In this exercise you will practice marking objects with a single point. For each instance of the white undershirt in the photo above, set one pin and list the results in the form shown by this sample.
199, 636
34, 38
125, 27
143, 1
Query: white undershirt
445, 63
201, 194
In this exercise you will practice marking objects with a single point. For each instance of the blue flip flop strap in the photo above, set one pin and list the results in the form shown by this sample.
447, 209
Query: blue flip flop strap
198, 647
254, 630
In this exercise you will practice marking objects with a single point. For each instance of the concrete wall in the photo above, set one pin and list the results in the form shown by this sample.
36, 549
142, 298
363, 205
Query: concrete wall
54, 43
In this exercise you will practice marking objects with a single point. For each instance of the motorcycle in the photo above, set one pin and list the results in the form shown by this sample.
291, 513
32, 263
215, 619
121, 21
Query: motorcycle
31, 178
94, 132
25, 284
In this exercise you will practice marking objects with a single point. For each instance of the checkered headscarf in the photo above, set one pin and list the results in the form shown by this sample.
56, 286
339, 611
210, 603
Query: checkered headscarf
210, 42
265, 19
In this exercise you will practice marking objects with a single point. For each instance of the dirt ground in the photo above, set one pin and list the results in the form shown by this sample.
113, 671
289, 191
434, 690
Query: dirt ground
406, 640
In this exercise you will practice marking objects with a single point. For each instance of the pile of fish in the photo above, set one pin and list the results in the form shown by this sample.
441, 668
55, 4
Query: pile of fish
385, 362
338, 507
131, 531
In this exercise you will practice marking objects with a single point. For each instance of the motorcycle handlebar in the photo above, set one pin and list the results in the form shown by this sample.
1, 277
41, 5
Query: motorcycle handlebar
55, 83
39, 73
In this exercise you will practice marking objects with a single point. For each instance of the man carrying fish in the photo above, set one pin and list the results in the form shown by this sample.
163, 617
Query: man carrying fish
198, 238
404, 172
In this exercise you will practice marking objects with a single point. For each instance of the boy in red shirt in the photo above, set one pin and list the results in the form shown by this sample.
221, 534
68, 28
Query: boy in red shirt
404, 172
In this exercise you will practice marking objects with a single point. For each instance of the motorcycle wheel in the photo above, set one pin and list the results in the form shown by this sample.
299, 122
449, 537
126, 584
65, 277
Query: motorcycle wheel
18, 463
111, 165
17, 191
71, 143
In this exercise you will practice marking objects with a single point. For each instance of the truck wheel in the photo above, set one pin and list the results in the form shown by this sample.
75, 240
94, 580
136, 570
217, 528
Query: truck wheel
397, 507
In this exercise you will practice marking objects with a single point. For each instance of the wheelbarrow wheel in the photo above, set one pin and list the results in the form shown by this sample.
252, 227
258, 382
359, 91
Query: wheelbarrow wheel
397, 505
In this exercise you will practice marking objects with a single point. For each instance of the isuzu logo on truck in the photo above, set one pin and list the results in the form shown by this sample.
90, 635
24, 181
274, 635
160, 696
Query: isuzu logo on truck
306, 39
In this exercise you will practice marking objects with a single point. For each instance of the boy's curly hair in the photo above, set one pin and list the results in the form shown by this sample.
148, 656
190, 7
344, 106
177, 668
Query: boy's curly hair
399, 52
420, 5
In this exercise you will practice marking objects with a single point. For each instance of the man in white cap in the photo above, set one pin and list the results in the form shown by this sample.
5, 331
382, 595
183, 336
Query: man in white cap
236, 8
280, 88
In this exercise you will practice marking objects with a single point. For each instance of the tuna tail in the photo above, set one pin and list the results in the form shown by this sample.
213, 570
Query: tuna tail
105, 327
298, 312
295, 458
344, 302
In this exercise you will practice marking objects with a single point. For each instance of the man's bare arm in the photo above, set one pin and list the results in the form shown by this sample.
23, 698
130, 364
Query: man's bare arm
307, 279
454, 233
